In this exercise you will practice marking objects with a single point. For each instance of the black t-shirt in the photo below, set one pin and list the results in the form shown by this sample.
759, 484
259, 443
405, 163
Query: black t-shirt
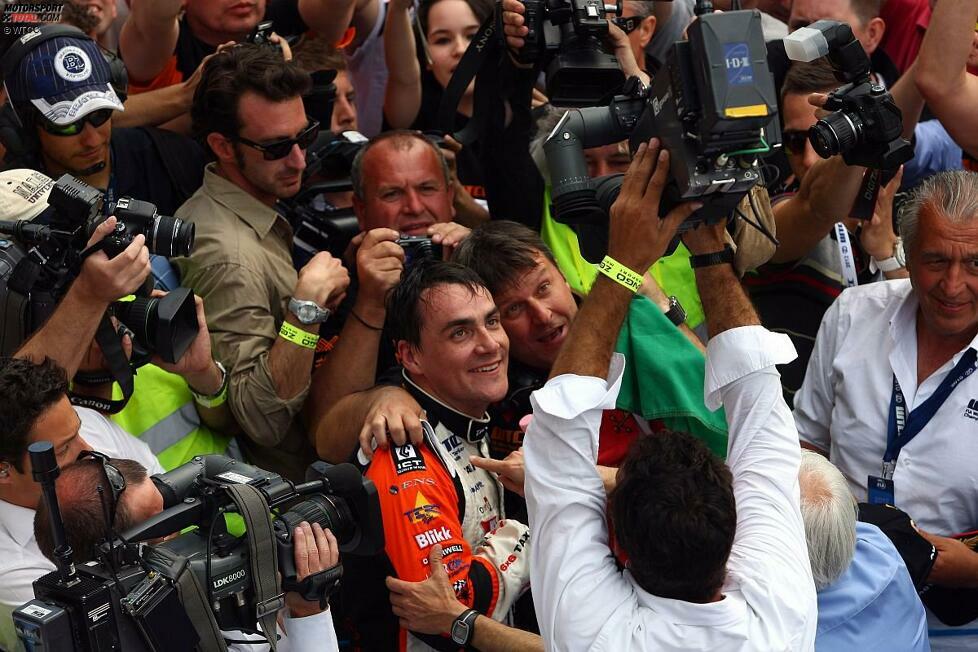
190, 51
157, 166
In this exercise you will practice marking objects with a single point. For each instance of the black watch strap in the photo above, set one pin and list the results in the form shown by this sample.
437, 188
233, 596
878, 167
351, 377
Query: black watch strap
726, 255
676, 314
463, 628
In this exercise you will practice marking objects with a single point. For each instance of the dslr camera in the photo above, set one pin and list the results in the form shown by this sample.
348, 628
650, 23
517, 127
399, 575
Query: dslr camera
865, 125
43, 256
179, 594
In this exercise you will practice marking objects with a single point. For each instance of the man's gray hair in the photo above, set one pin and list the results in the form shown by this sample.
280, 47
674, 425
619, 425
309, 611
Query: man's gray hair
953, 194
640, 8
829, 512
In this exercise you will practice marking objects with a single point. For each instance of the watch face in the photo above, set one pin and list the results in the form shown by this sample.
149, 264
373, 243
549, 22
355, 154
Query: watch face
307, 314
460, 632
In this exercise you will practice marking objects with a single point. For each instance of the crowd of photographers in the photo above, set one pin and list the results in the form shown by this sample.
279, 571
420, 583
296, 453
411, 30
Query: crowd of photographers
568, 377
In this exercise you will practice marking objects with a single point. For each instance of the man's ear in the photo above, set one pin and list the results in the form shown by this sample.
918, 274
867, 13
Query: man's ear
646, 30
6, 472
408, 355
875, 29
222, 147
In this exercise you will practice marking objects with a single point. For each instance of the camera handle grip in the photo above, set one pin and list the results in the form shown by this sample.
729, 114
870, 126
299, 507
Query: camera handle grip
317, 587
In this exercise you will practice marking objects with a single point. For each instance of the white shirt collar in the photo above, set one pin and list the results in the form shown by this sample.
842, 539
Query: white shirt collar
680, 612
17, 522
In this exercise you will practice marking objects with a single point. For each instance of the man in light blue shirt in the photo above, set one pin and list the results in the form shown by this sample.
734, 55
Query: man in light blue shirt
866, 599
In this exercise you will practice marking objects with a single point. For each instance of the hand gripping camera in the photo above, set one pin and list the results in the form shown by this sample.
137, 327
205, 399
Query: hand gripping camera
180, 594
568, 38
713, 106
865, 125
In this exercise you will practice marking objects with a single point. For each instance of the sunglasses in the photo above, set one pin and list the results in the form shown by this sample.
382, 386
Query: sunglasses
117, 482
95, 118
281, 148
627, 25
794, 141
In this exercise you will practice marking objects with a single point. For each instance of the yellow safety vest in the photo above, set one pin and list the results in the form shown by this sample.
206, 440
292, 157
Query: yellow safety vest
672, 273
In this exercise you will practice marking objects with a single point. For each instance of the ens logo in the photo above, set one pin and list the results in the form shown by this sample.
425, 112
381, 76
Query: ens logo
424, 511
431, 537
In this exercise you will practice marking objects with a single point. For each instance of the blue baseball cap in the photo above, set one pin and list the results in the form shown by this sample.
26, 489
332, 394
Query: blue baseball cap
65, 79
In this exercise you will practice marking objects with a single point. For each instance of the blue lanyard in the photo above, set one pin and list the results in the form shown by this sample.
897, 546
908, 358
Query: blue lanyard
903, 427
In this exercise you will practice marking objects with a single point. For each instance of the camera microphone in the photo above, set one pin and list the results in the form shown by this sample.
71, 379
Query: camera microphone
45, 470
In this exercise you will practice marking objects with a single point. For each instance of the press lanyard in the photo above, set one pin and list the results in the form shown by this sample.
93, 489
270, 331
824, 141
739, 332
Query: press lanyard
903, 427
845, 253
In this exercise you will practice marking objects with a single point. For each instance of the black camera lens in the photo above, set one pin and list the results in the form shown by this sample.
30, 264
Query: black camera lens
836, 133
329, 511
170, 236
164, 325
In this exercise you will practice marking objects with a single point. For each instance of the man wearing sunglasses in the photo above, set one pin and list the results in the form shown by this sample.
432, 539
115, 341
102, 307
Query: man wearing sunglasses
35, 408
62, 96
264, 319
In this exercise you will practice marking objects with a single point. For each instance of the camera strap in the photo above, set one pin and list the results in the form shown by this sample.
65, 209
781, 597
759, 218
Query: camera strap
484, 44
119, 368
263, 557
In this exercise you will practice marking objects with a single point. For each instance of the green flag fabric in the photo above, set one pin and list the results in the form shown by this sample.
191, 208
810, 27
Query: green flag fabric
664, 376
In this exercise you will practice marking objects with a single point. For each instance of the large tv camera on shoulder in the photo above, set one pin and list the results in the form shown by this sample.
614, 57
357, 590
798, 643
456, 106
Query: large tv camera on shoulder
713, 106
181, 593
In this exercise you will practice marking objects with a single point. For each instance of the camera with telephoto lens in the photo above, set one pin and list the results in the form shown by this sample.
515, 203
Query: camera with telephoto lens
417, 248
180, 594
713, 106
44, 255
568, 37
865, 125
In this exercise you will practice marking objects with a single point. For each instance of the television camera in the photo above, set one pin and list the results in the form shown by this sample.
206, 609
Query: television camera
180, 594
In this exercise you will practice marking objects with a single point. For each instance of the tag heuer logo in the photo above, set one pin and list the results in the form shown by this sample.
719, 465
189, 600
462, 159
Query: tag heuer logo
971, 412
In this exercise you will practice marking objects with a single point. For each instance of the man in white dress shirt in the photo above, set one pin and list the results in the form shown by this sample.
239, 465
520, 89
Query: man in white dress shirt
717, 557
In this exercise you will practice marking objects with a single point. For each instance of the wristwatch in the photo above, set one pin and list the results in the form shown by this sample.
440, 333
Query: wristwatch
308, 312
463, 628
897, 261
725, 255
676, 313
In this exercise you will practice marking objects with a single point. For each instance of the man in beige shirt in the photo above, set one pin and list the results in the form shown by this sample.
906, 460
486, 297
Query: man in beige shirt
264, 318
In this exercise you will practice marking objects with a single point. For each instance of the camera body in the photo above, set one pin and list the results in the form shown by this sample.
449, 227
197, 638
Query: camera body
713, 106
43, 256
165, 236
417, 248
568, 38
135, 596
865, 125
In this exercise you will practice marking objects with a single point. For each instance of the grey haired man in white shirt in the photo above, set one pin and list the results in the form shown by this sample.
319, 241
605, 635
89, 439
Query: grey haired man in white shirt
717, 557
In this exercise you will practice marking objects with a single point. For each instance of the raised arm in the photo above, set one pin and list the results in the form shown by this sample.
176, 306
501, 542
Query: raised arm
149, 37
402, 99
942, 75
330, 18
826, 196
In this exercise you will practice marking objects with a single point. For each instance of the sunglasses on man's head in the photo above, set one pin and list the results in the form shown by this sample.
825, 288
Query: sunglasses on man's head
114, 477
794, 141
281, 148
95, 118
627, 25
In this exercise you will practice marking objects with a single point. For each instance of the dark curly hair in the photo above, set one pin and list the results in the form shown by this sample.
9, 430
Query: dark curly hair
28, 389
675, 516
235, 71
